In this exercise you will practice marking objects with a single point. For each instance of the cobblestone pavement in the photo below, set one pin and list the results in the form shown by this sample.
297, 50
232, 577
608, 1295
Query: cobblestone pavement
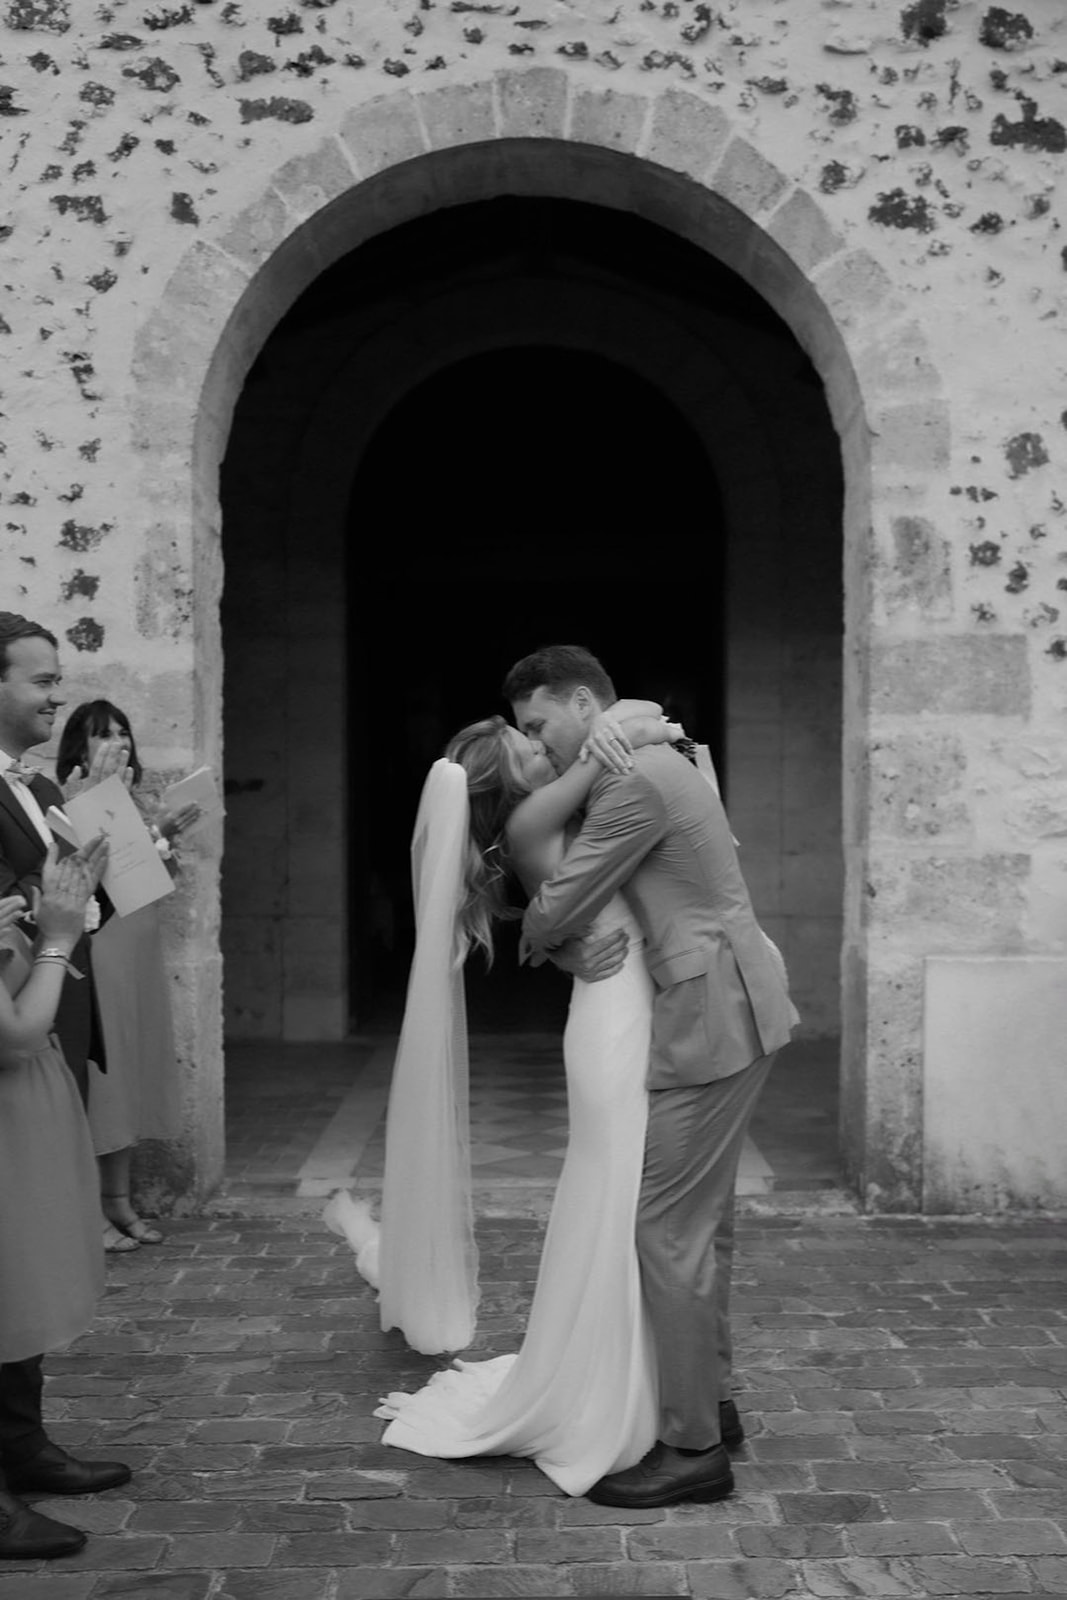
902, 1383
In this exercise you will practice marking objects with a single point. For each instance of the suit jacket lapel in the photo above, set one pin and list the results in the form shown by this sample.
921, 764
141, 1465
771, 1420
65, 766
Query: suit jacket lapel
18, 813
45, 792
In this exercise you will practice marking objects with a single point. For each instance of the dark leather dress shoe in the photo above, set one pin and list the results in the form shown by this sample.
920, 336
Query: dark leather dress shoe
52, 1471
733, 1434
664, 1477
27, 1536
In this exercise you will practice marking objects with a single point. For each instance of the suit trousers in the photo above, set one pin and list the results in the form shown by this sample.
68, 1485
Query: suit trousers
685, 1243
22, 1432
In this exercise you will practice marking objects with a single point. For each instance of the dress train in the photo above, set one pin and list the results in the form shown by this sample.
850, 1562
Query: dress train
580, 1396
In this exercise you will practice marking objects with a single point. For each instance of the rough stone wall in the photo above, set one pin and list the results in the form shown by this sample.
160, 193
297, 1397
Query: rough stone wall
928, 135
929, 131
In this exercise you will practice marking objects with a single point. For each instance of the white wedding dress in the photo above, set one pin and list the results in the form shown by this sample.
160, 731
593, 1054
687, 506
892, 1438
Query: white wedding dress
580, 1395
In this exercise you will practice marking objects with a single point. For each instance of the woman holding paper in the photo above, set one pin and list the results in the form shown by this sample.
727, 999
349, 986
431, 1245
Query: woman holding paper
138, 1097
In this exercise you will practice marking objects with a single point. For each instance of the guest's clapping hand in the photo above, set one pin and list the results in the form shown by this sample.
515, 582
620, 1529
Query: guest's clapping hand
172, 823
110, 756
12, 908
66, 885
93, 857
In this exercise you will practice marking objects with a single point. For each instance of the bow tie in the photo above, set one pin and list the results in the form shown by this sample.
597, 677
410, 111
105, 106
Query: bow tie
21, 771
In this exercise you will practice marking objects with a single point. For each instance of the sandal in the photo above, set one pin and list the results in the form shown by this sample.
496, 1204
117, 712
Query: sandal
137, 1231
117, 1243
141, 1232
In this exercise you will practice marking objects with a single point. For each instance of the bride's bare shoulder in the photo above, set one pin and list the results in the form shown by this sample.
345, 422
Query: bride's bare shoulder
535, 858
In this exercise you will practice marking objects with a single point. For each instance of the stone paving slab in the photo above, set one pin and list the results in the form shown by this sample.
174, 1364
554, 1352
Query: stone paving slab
902, 1385
299, 1128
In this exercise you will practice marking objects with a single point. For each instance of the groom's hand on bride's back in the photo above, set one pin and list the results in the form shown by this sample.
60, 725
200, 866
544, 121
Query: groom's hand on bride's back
593, 957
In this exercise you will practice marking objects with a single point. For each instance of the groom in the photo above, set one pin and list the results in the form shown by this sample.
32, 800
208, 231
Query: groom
720, 1011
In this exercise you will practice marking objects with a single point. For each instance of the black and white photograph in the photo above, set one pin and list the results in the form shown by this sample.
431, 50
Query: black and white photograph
533, 799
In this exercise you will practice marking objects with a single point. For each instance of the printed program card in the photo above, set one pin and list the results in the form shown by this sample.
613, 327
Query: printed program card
60, 826
199, 789
135, 874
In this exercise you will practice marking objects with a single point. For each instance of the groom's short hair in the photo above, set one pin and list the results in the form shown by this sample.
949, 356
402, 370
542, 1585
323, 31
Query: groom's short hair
559, 668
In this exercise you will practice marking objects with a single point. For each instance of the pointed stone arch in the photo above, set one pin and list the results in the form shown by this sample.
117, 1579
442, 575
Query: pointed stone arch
669, 156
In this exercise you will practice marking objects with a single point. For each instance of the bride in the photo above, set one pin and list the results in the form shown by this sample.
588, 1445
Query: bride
579, 1397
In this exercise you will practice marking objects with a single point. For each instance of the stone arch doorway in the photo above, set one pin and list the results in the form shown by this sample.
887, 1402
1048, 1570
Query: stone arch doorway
536, 419
671, 158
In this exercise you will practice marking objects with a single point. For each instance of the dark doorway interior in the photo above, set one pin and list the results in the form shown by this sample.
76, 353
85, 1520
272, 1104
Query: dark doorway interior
516, 499
532, 493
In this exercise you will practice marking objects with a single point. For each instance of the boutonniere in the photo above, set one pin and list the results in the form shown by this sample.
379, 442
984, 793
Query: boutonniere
161, 843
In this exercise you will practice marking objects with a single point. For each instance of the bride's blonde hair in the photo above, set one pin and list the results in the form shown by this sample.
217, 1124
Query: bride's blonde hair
495, 785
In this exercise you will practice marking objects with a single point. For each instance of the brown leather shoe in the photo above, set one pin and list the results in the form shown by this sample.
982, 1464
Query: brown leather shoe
53, 1471
27, 1536
733, 1434
664, 1477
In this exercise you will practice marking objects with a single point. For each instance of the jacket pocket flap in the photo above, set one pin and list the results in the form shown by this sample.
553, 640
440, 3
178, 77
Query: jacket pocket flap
686, 964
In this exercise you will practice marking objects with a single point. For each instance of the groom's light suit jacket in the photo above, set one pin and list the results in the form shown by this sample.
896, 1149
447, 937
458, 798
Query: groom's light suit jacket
660, 835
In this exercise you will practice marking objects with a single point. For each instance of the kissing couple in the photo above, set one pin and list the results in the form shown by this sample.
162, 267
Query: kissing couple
621, 1389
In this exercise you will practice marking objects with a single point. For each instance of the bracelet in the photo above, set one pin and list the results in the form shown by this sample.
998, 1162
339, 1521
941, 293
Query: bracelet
52, 955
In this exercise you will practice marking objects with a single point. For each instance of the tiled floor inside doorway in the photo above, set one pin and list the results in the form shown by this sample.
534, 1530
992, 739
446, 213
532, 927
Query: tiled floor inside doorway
305, 1119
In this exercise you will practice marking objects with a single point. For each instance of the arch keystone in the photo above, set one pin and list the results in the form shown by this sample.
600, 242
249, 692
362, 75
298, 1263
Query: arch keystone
609, 117
459, 113
533, 104
688, 135
383, 133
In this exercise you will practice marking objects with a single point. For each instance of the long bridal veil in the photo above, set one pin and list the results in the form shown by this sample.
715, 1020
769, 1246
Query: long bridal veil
428, 1261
